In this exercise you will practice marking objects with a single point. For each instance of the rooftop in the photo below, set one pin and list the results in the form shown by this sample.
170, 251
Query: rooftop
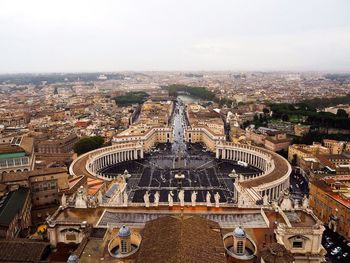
179, 239
276, 252
23, 250
12, 205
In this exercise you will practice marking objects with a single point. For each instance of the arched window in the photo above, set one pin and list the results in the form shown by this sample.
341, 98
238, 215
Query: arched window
240, 247
123, 246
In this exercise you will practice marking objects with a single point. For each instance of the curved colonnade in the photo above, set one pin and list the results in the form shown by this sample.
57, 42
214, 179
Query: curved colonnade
276, 170
92, 163
271, 182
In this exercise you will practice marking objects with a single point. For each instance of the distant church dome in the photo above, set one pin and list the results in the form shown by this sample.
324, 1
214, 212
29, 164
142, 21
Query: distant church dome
239, 232
124, 231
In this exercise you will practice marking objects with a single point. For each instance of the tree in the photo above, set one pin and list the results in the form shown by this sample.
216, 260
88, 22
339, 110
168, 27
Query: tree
342, 113
266, 111
285, 117
87, 144
256, 118
131, 98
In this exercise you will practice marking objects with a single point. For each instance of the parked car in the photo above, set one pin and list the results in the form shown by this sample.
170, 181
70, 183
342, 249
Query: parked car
329, 244
335, 251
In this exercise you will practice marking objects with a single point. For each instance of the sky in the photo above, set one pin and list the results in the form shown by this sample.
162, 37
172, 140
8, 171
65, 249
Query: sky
154, 35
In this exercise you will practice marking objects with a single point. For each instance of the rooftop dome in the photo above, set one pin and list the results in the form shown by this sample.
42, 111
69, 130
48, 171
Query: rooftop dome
124, 231
239, 232
73, 259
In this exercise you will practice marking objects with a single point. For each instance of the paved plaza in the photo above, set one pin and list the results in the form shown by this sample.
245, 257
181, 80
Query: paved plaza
202, 172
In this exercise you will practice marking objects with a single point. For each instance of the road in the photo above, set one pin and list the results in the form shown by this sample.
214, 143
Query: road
298, 185
337, 241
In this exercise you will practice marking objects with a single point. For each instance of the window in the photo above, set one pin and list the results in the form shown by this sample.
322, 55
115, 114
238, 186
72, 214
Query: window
240, 247
297, 244
123, 246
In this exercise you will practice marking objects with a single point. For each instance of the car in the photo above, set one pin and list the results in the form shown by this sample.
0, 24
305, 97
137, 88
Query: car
329, 244
335, 251
345, 255
348, 244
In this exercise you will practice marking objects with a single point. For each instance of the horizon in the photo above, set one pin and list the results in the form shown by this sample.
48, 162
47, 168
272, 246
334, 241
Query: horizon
177, 71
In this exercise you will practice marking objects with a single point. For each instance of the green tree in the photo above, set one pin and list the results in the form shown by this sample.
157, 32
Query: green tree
285, 117
131, 98
342, 113
87, 144
266, 111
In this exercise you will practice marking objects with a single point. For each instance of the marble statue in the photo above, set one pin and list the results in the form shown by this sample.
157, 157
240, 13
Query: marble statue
182, 197
80, 200
208, 198
146, 199
286, 203
194, 198
99, 197
125, 198
64, 200
156, 198
305, 202
266, 200
296, 203
217, 199
171, 198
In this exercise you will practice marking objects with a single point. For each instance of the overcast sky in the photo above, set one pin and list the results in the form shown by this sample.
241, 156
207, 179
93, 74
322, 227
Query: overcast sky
116, 35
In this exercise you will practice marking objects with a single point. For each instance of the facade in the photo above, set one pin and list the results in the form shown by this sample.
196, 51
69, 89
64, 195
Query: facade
48, 146
17, 155
271, 139
330, 201
335, 147
277, 142
46, 185
299, 151
204, 126
145, 135
15, 212
182, 236
14, 119
152, 126
301, 130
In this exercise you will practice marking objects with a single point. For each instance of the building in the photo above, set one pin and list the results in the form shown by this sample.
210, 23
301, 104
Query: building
301, 130
15, 212
205, 126
177, 239
330, 201
276, 252
152, 126
55, 145
14, 119
271, 139
334, 146
277, 142
17, 155
24, 250
298, 151
46, 185
183, 236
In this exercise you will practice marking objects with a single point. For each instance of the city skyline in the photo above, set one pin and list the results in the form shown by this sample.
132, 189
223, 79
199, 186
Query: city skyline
86, 36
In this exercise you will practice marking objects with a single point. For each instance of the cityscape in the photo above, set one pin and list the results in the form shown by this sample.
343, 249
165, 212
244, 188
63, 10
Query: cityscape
172, 162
